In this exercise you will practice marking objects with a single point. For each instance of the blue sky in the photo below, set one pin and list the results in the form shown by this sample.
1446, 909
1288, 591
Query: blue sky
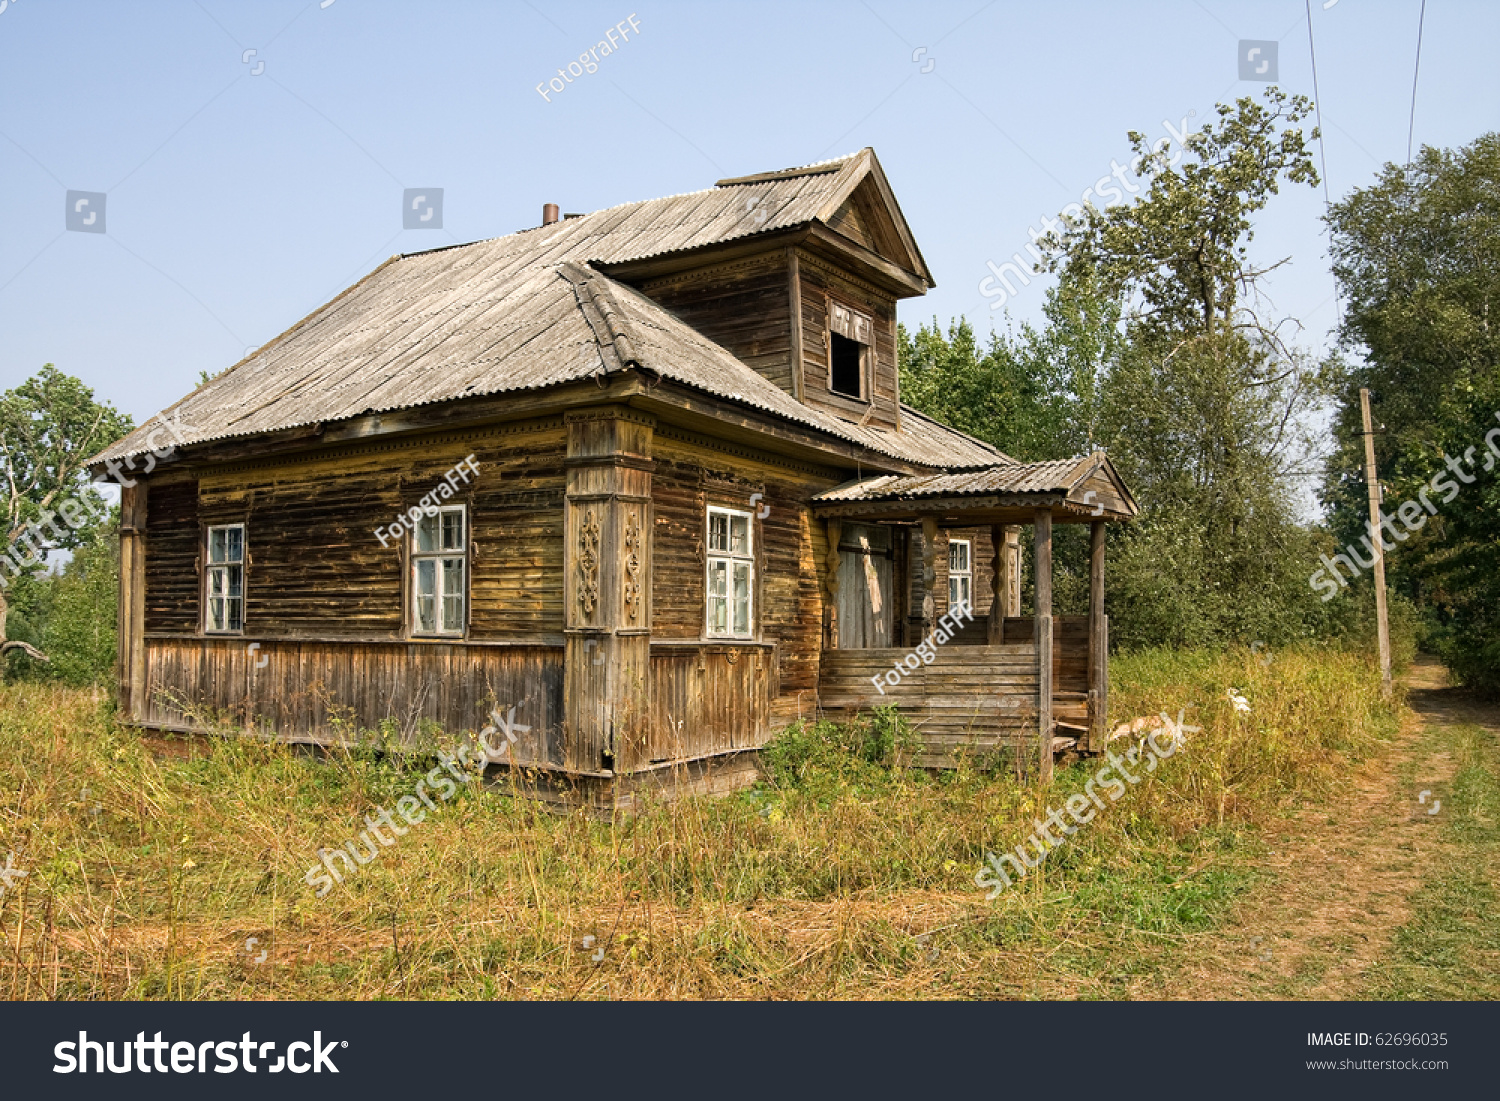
239, 200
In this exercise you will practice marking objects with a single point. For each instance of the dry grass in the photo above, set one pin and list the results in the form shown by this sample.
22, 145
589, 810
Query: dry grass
151, 863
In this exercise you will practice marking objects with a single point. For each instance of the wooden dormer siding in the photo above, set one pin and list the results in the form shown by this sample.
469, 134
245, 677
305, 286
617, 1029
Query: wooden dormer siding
772, 311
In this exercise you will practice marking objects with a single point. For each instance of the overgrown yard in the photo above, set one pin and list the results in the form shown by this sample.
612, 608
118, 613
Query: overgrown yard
176, 869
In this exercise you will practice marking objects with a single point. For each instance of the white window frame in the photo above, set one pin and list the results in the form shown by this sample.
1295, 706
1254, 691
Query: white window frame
226, 568
730, 560
966, 574
439, 556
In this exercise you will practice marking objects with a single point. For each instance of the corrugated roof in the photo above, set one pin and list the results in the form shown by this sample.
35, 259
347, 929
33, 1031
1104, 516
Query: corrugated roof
516, 313
656, 339
1054, 476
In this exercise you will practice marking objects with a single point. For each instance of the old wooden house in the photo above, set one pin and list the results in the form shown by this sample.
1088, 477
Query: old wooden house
639, 482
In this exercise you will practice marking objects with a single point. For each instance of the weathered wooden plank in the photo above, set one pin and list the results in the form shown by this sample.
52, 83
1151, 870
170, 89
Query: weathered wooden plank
328, 692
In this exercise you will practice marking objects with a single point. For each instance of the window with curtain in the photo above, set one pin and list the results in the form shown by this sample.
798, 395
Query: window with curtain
439, 570
731, 574
224, 581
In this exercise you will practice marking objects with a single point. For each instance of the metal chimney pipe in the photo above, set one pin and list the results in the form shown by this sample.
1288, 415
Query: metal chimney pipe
549, 214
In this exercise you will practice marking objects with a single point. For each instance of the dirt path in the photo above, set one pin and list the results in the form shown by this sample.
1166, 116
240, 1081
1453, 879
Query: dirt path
1341, 875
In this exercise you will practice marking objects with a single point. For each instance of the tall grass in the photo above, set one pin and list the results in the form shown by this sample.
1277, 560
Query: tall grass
846, 873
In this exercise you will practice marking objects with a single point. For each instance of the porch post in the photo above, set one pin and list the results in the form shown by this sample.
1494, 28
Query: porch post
1043, 633
929, 574
1012, 569
607, 588
1098, 642
835, 532
132, 602
999, 587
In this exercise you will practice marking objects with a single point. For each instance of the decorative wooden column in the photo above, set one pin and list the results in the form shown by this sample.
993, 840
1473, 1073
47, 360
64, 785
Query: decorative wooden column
1043, 590
1098, 642
607, 549
929, 574
995, 625
1012, 570
131, 628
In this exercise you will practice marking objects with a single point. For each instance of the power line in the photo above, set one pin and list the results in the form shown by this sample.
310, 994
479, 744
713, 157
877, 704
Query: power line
1411, 128
1322, 145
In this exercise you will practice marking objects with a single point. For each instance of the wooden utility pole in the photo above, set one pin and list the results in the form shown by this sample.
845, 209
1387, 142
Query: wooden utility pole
1372, 487
1042, 596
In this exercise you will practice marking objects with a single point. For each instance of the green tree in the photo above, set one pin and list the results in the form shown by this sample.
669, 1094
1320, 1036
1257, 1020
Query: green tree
78, 627
49, 426
1206, 404
1158, 347
1417, 256
984, 393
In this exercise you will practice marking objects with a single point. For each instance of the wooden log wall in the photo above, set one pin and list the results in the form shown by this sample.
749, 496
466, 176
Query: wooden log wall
742, 305
970, 700
322, 592
173, 547
325, 600
692, 473
817, 281
315, 566
981, 547
752, 305
326, 692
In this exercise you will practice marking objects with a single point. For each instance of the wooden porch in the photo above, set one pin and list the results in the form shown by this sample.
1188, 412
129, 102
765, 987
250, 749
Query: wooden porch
1003, 679
976, 701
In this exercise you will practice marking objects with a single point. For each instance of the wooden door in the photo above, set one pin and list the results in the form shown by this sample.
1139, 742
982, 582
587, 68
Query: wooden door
866, 594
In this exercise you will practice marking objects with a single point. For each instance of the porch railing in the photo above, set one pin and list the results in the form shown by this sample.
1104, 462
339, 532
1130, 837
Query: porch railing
973, 699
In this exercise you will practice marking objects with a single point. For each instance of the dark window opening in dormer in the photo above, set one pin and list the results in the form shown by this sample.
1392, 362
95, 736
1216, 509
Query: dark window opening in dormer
850, 335
846, 376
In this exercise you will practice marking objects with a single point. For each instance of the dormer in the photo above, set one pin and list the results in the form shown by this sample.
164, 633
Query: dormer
804, 290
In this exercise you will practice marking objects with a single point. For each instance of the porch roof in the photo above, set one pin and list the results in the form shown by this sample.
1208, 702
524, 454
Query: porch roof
1080, 489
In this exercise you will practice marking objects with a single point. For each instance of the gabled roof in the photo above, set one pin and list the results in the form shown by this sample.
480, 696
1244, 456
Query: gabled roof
1086, 483
522, 312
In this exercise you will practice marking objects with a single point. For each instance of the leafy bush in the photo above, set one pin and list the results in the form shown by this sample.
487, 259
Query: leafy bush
866, 746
